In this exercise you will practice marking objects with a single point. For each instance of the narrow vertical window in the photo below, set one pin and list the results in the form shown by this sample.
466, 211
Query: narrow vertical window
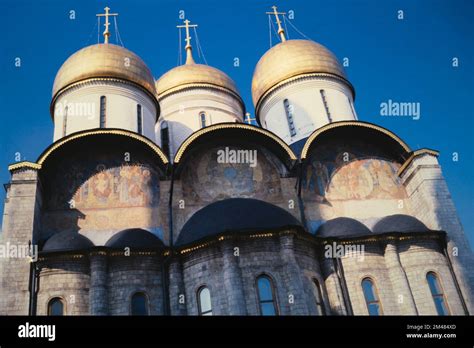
65, 121
437, 294
325, 103
266, 296
352, 108
318, 297
139, 119
289, 110
139, 305
103, 110
202, 117
165, 138
56, 307
204, 301
371, 297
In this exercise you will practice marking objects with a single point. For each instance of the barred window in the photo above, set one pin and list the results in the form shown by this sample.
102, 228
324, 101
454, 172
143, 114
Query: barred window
202, 116
139, 119
266, 296
437, 294
371, 297
65, 121
103, 109
289, 110
325, 103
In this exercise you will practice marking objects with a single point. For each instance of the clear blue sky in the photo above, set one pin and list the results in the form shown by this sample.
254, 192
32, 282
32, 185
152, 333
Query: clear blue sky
403, 60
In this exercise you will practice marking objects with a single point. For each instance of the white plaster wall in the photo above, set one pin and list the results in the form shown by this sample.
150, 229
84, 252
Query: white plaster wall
83, 103
181, 111
309, 112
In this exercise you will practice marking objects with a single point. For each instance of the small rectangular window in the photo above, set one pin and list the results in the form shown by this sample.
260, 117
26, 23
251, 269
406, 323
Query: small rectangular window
103, 109
202, 116
352, 108
65, 121
165, 138
325, 103
139, 119
289, 109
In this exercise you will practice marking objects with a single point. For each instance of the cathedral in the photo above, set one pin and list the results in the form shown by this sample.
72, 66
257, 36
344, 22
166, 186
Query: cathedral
165, 197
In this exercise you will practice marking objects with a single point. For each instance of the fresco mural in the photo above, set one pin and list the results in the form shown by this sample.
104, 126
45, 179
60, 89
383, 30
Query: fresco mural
105, 195
114, 220
335, 174
207, 180
105, 186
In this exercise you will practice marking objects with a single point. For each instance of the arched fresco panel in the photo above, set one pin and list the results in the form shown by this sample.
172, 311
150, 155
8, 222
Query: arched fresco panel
336, 173
105, 186
207, 178
350, 179
102, 195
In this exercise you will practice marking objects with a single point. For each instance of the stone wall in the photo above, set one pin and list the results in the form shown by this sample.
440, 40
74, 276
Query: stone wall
21, 224
430, 201
130, 274
419, 259
103, 284
290, 268
68, 280
373, 266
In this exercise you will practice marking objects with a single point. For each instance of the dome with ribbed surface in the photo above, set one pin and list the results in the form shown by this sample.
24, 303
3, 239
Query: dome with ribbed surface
194, 75
289, 59
106, 61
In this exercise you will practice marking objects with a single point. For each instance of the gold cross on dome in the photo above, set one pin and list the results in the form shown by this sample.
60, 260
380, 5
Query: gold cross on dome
107, 23
188, 47
248, 118
188, 36
281, 32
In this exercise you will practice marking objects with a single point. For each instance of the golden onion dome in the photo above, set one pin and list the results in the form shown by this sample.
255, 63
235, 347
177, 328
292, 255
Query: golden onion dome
104, 61
289, 59
194, 75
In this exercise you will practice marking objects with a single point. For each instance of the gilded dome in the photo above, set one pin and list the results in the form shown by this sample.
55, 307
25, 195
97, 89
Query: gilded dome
289, 59
104, 60
189, 75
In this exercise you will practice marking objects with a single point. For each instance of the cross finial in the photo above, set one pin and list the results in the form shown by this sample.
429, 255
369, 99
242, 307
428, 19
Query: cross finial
107, 23
281, 32
188, 47
248, 118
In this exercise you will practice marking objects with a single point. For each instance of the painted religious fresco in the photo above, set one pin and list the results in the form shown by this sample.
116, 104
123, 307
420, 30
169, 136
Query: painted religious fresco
113, 220
105, 185
212, 176
102, 195
336, 174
